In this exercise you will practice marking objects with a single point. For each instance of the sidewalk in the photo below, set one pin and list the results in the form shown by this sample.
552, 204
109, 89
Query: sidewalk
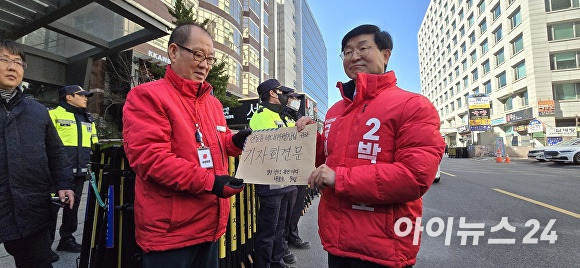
315, 257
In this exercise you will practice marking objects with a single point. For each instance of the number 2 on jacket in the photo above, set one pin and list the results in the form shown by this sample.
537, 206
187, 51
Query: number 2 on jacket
369, 148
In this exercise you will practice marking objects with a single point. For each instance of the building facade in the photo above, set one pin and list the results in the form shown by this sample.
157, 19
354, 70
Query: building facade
523, 55
257, 39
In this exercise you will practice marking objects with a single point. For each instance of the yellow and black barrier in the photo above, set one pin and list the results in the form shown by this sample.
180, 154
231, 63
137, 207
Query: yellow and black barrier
109, 227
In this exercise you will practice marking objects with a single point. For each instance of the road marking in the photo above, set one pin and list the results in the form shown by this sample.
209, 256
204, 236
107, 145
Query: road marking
570, 213
448, 174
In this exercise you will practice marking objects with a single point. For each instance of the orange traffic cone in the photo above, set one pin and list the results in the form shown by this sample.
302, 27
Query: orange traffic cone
498, 156
507, 158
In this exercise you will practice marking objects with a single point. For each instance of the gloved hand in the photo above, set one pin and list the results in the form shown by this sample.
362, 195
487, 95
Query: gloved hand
240, 138
225, 186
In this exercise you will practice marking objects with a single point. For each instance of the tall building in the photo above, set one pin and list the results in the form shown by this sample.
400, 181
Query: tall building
313, 62
299, 53
524, 55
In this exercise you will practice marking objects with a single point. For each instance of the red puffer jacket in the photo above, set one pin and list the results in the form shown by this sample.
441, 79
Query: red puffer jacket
173, 205
385, 148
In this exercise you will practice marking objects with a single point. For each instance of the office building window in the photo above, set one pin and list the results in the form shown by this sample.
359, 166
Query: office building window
484, 47
508, 103
501, 80
520, 70
485, 67
474, 75
554, 5
461, 31
499, 57
564, 30
464, 65
518, 44
470, 21
465, 82
456, 71
487, 87
463, 48
455, 56
497, 34
459, 103
469, 4
481, 6
482, 27
515, 19
473, 56
569, 91
524, 98
565, 60
496, 12
461, 14
472, 38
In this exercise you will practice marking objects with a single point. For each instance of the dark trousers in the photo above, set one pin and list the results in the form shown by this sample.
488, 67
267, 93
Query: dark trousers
31, 251
270, 244
69, 216
291, 232
344, 262
203, 255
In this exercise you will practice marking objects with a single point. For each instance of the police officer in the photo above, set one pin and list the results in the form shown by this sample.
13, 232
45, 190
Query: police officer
77, 131
270, 247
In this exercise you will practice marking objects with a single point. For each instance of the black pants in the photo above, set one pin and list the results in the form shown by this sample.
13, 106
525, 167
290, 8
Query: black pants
69, 216
31, 251
291, 232
270, 244
203, 255
343, 262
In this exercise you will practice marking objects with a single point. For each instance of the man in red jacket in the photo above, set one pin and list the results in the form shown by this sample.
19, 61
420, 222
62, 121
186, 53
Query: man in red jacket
377, 156
177, 142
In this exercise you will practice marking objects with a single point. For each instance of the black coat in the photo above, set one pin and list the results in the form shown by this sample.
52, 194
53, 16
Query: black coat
32, 164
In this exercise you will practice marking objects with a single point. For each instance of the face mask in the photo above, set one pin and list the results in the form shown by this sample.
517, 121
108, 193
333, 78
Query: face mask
294, 105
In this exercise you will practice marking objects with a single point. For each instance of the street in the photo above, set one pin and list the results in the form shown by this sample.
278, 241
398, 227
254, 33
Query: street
484, 192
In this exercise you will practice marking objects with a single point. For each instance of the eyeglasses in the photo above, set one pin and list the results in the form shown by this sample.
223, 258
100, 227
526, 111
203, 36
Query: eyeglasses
7, 61
198, 55
362, 51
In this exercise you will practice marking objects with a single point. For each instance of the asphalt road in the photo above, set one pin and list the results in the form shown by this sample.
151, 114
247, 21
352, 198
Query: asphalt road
527, 193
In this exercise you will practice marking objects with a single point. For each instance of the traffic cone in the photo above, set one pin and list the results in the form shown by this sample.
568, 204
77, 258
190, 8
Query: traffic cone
507, 158
498, 156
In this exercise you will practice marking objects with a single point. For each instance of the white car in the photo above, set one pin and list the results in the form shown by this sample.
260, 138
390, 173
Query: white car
565, 151
537, 154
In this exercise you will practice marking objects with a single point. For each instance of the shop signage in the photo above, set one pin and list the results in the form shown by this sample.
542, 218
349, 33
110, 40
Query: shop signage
479, 114
158, 57
535, 126
546, 108
561, 131
520, 115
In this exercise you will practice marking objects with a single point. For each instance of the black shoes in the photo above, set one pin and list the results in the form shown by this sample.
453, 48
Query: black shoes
54, 256
299, 244
69, 244
289, 258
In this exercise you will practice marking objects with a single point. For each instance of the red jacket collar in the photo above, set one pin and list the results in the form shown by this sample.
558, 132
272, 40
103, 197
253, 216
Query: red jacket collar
192, 89
367, 85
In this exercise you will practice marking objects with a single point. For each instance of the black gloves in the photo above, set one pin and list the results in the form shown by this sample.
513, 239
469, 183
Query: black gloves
240, 138
225, 186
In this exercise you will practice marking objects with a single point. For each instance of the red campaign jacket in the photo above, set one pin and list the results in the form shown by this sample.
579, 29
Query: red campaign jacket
173, 205
385, 148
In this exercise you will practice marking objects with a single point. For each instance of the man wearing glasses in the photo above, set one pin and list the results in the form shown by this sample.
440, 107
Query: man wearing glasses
78, 133
32, 163
378, 155
177, 142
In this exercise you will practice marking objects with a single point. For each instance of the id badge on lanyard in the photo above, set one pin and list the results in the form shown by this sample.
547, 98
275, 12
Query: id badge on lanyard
203, 152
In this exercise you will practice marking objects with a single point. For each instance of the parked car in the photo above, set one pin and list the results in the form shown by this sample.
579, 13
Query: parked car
537, 154
438, 175
564, 152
